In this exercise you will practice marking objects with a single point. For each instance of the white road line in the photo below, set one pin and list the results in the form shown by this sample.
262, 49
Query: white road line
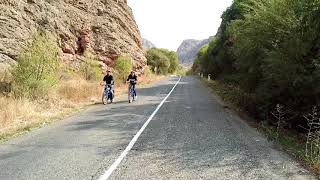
114, 166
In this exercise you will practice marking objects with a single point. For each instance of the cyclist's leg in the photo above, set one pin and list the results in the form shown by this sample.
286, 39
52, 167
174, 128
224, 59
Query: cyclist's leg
129, 89
105, 92
134, 90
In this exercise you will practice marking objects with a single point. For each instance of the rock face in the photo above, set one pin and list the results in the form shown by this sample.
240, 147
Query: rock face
189, 49
105, 27
147, 44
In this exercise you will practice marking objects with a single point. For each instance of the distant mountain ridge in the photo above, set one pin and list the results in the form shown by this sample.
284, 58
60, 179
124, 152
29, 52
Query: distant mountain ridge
147, 44
189, 49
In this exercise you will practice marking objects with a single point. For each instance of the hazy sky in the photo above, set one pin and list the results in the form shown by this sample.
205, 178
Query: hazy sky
167, 23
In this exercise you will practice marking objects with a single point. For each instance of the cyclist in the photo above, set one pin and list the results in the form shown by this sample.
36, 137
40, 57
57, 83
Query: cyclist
108, 80
132, 79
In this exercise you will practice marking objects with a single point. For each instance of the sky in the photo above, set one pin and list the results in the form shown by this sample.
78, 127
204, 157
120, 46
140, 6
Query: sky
166, 23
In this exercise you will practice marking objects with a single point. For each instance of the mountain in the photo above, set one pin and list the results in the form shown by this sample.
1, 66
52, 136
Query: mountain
106, 27
189, 49
147, 44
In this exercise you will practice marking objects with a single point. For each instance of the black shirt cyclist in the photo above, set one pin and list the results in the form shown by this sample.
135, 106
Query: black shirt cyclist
108, 78
132, 78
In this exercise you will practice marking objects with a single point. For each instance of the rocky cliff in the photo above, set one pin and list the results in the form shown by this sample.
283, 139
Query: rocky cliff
106, 27
189, 49
147, 44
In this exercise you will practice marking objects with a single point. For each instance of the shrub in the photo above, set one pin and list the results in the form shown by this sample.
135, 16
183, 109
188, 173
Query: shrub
124, 66
89, 68
37, 70
147, 71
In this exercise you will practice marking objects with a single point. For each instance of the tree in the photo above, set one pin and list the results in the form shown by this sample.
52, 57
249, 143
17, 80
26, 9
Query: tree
174, 60
274, 45
269, 49
162, 61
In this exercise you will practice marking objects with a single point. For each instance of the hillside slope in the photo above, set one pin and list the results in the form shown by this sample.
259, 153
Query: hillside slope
107, 27
147, 44
188, 50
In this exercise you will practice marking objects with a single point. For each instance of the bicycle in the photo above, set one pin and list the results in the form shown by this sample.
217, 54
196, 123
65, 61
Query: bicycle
132, 93
107, 94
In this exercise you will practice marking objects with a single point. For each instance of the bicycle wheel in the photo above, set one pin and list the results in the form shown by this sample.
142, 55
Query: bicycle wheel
130, 95
104, 99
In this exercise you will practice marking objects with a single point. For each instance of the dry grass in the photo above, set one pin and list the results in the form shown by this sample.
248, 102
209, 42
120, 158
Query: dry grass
147, 79
17, 115
14, 110
79, 91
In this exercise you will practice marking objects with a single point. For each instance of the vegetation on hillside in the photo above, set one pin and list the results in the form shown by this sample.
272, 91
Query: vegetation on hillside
38, 67
269, 50
162, 61
123, 67
90, 68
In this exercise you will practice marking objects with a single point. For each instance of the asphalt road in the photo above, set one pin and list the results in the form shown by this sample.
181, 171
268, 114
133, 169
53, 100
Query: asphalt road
191, 137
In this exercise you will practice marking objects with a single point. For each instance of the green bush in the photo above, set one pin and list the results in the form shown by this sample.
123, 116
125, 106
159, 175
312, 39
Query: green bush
38, 67
147, 71
275, 45
124, 66
90, 68
162, 61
